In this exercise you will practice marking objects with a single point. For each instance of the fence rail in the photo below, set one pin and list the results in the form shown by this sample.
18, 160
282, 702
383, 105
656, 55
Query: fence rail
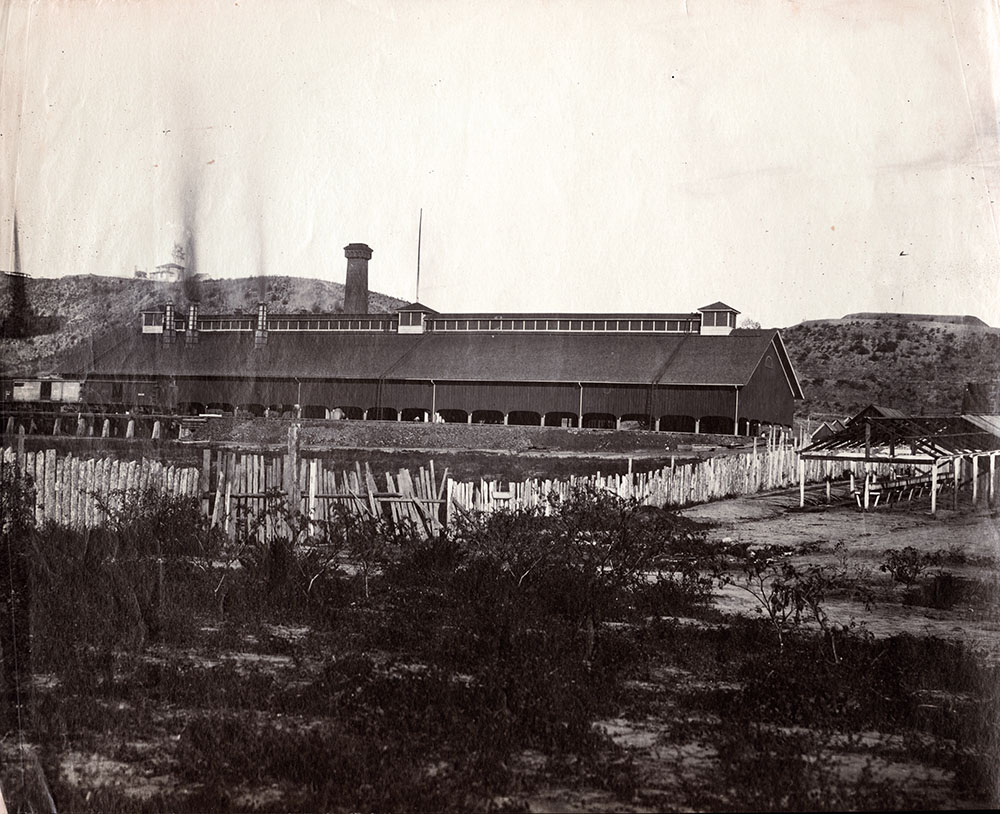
235, 488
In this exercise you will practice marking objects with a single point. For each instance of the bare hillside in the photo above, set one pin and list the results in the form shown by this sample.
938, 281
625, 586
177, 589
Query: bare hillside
83, 308
917, 366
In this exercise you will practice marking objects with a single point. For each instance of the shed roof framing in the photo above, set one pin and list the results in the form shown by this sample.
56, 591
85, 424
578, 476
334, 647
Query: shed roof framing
908, 439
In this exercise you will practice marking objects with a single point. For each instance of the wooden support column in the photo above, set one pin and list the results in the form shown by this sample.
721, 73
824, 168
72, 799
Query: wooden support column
867, 485
975, 479
956, 466
802, 483
993, 472
934, 486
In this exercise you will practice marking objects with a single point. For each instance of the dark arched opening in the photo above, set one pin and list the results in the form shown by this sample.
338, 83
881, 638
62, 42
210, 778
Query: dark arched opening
599, 421
558, 419
414, 414
717, 424
487, 417
280, 411
351, 413
453, 416
635, 421
313, 411
383, 414
524, 418
255, 410
677, 423
184, 408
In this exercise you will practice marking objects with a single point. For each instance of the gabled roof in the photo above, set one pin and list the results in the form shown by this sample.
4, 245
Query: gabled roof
417, 306
719, 306
876, 411
673, 359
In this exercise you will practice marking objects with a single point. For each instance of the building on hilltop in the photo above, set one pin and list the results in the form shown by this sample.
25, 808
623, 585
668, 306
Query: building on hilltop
691, 372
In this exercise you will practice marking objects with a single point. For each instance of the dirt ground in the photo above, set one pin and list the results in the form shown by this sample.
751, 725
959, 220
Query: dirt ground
859, 540
672, 769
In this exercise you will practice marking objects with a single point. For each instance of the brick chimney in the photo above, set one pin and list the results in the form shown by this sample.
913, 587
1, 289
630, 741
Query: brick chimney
356, 290
191, 337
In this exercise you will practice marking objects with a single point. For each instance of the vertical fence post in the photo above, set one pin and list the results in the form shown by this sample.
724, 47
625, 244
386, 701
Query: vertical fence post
292, 493
313, 478
205, 481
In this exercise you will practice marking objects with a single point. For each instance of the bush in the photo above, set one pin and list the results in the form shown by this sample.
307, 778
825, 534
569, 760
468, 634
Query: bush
907, 564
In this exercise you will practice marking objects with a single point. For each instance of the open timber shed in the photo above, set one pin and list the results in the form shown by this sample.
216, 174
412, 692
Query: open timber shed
907, 456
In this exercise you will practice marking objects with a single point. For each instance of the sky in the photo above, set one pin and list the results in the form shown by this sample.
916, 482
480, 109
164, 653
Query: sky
796, 160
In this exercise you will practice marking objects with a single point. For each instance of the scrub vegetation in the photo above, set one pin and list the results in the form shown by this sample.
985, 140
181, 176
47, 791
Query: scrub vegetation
514, 660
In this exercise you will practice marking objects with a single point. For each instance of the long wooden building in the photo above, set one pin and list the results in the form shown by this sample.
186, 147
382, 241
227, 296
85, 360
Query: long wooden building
690, 372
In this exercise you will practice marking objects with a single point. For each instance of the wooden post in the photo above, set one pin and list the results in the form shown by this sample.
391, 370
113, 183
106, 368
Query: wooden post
867, 485
956, 466
155, 435
106, 428
934, 486
975, 479
205, 481
993, 472
802, 483
130, 429
292, 493
313, 478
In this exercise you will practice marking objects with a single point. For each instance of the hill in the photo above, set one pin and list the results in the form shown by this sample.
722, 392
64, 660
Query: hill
952, 319
74, 311
919, 365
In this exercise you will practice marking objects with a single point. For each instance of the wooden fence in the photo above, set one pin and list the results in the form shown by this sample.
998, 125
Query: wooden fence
240, 488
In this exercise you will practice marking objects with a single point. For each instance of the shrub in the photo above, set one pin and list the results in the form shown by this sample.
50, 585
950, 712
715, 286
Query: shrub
907, 564
787, 594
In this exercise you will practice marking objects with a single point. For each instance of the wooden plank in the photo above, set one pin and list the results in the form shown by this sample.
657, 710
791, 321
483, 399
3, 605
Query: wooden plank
311, 508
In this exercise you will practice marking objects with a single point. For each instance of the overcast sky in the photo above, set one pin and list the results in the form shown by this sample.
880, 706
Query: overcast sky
797, 160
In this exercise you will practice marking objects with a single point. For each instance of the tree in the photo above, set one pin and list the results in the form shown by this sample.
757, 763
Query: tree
752, 324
